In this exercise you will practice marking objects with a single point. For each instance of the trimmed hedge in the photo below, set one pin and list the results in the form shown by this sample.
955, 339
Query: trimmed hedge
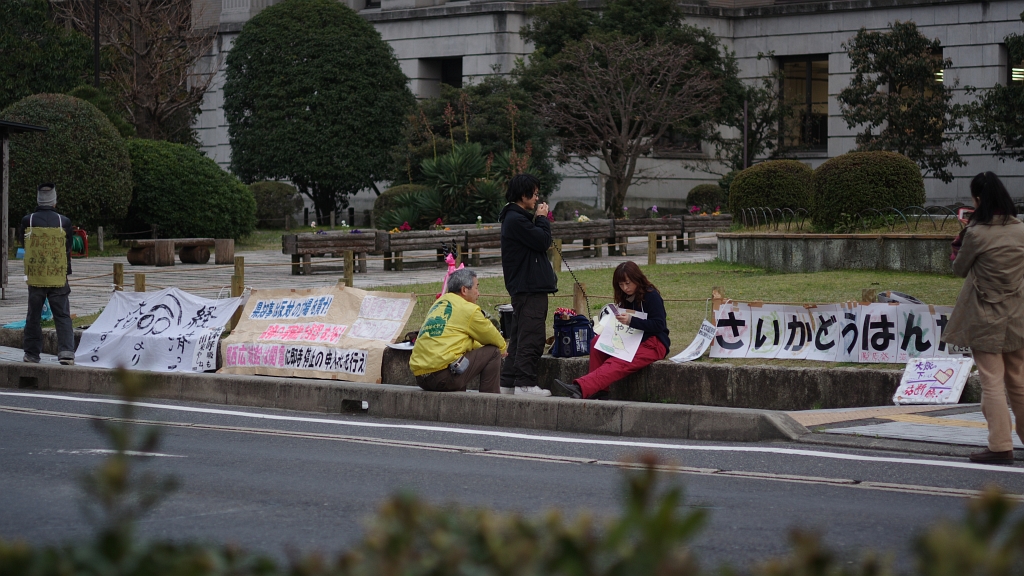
856, 181
706, 196
274, 201
771, 184
81, 152
387, 202
186, 194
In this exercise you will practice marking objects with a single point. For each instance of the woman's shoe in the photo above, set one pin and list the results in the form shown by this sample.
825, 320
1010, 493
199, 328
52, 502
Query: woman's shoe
990, 457
572, 389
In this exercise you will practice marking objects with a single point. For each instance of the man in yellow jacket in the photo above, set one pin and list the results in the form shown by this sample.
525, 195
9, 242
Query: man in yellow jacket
456, 341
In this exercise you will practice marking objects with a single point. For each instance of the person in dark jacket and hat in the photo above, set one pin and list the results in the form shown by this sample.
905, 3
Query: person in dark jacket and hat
47, 238
529, 278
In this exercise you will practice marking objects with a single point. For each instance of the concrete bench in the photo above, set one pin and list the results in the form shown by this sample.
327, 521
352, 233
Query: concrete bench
694, 224
665, 228
592, 233
392, 245
160, 252
303, 247
477, 239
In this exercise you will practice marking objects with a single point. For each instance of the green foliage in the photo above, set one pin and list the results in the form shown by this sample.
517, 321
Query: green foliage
567, 210
81, 152
185, 194
274, 201
725, 182
497, 114
997, 116
771, 184
895, 97
313, 95
706, 196
38, 55
853, 182
104, 104
401, 198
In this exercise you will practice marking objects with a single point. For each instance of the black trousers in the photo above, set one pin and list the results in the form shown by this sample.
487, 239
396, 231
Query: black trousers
526, 338
61, 308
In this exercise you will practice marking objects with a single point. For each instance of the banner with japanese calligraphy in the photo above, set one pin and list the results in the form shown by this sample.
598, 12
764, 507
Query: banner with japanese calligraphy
333, 333
165, 331
859, 332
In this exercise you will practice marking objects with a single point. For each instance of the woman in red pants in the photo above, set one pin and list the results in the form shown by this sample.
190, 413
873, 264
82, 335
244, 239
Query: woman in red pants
633, 292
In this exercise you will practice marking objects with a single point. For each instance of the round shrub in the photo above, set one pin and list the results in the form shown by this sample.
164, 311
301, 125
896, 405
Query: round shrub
387, 202
706, 196
81, 152
185, 194
856, 181
771, 184
274, 201
566, 210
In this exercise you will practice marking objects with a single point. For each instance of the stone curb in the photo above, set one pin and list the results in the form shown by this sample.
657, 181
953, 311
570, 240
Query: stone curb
614, 418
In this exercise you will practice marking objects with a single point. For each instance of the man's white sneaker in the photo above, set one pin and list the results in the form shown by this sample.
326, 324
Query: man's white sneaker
508, 390
532, 390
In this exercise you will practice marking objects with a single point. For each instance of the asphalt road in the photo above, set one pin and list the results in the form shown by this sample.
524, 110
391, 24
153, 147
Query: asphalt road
279, 481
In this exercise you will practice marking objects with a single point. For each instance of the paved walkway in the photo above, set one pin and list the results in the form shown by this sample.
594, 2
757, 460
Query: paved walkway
92, 280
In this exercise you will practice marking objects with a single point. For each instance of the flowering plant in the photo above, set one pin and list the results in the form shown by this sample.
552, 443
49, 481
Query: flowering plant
551, 216
582, 219
654, 209
438, 224
355, 231
479, 221
694, 210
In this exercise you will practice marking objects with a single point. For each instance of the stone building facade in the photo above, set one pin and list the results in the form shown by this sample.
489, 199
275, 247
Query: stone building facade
461, 41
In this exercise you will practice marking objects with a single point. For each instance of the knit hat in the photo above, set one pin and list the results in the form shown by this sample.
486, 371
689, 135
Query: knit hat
46, 195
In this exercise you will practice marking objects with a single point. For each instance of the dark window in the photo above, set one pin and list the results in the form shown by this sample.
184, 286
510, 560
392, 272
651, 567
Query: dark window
373, 3
676, 143
451, 72
805, 90
1015, 73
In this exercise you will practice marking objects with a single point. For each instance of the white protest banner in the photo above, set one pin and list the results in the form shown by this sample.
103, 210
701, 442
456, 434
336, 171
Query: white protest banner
827, 339
334, 333
701, 342
933, 381
798, 334
878, 333
916, 332
732, 334
767, 332
849, 332
617, 339
165, 331
940, 316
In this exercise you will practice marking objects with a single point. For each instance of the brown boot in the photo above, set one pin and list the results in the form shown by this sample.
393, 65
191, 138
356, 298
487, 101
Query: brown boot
990, 457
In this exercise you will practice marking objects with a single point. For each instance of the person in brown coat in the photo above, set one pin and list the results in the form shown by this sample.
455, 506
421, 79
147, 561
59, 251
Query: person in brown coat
989, 312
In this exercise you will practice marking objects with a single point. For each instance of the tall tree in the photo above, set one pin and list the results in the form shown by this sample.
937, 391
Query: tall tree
997, 117
38, 56
153, 61
315, 96
556, 27
613, 97
898, 97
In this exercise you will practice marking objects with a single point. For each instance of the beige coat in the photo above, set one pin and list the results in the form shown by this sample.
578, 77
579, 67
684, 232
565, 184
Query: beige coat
989, 313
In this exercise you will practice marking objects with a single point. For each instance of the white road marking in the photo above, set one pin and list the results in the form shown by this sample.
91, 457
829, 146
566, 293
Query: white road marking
104, 452
541, 438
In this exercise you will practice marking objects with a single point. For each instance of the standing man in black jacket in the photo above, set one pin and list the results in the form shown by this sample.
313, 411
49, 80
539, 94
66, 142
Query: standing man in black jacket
525, 239
47, 236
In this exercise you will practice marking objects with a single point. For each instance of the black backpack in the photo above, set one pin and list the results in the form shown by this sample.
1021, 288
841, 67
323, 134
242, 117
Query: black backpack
572, 336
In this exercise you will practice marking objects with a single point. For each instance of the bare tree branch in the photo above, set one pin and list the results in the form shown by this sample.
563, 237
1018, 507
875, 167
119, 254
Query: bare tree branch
612, 99
154, 52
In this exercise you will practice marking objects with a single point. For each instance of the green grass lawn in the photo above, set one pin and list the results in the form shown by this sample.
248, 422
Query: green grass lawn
739, 282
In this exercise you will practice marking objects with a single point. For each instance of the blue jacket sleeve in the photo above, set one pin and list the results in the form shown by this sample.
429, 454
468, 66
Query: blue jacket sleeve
656, 320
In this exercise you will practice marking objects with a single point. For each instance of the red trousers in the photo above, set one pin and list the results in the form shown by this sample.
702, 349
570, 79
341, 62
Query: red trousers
605, 369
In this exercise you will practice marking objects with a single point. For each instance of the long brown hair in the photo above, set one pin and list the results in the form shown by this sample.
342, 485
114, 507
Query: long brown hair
629, 270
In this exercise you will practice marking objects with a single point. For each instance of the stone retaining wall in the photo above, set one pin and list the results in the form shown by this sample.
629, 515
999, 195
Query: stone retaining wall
817, 252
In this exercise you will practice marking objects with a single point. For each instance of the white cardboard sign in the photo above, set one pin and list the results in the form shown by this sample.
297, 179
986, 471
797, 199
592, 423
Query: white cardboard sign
701, 342
933, 381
